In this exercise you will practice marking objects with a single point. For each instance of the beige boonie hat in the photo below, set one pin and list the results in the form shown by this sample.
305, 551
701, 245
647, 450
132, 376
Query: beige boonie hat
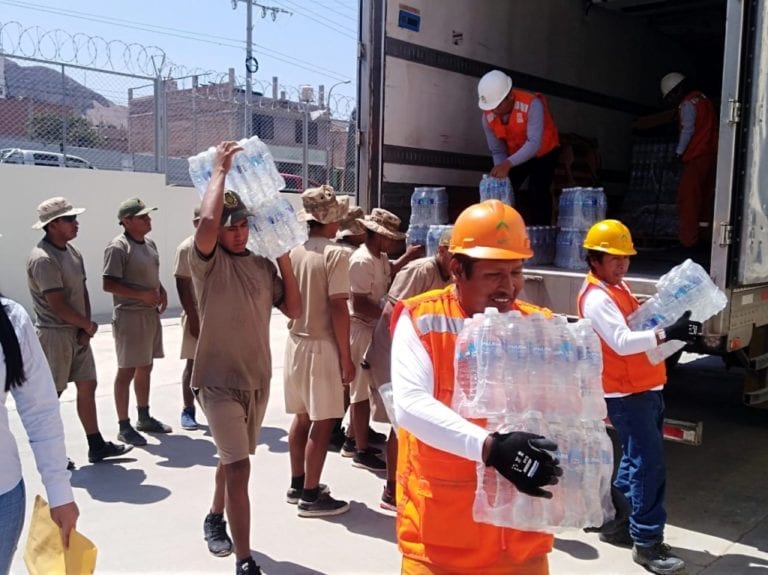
322, 205
52, 209
383, 222
350, 226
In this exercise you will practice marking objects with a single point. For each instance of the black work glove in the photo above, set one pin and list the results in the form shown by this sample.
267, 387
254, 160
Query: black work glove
521, 458
683, 329
623, 511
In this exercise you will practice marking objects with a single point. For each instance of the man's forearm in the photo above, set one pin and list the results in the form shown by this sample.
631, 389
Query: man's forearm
340, 325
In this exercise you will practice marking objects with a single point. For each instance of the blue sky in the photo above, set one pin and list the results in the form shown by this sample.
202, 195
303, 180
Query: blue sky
315, 45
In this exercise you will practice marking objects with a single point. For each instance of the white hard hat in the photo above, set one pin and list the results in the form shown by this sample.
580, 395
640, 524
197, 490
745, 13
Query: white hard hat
670, 82
492, 89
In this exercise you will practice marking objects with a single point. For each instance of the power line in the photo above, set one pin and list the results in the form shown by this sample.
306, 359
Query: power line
347, 16
183, 34
347, 6
323, 21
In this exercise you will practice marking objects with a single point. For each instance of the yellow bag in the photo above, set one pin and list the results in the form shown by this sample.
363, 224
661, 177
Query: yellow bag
45, 554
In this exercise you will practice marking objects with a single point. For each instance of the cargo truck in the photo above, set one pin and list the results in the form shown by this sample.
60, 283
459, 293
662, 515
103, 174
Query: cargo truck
599, 63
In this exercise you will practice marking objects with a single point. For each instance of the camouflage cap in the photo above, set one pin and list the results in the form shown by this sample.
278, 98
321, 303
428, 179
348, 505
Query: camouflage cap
383, 222
350, 226
235, 209
322, 205
133, 207
196, 213
54, 208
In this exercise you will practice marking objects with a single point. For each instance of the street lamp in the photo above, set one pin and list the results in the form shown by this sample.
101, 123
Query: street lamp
329, 149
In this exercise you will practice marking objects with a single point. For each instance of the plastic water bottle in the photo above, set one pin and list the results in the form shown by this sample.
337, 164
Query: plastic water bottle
573, 475
491, 394
568, 253
433, 238
516, 335
539, 364
565, 396
422, 201
440, 214
592, 474
465, 386
417, 235
197, 172
529, 511
590, 369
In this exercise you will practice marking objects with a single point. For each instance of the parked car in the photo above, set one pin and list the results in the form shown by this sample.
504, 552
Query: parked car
42, 158
293, 183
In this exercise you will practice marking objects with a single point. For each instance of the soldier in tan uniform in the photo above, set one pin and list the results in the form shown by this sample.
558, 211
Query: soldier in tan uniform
351, 232
237, 291
318, 361
56, 280
132, 275
190, 324
419, 276
369, 278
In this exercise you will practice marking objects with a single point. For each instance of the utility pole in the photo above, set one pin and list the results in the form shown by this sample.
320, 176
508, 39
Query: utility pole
251, 64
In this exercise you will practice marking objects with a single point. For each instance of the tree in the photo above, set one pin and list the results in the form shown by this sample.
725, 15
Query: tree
49, 127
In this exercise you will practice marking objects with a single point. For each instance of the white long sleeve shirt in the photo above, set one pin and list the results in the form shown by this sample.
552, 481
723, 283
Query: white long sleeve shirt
417, 409
609, 323
687, 126
38, 406
534, 135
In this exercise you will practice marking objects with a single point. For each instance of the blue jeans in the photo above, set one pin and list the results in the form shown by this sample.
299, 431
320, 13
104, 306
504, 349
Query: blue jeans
12, 505
641, 475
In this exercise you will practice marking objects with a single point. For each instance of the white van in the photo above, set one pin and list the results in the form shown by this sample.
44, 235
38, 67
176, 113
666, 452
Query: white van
42, 158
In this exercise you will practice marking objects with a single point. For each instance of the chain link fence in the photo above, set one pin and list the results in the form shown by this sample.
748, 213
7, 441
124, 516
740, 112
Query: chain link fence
55, 111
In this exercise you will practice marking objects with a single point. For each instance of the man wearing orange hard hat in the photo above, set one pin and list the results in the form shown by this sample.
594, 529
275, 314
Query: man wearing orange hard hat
633, 396
438, 448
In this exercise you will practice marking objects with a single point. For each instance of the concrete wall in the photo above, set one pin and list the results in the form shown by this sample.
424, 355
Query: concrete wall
100, 192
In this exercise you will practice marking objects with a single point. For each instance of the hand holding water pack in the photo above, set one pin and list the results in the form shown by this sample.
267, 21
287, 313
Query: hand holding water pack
523, 459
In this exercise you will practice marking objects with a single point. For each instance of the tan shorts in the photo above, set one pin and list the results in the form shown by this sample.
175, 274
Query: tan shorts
359, 340
138, 337
312, 378
68, 360
188, 342
234, 418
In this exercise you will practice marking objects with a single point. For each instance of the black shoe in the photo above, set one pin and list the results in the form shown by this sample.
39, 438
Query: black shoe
388, 500
293, 495
348, 447
375, 436
152, 425
338, 438
323, 506
247, 567
132, 437
215, 533
70, 465
658, 559
619, 538
367, 460
108, 450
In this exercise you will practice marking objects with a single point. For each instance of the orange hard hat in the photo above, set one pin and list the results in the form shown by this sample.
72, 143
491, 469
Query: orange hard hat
491, 230
611, 237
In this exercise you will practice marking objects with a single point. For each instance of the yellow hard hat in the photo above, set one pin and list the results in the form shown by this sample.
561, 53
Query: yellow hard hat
611, 237
491, 230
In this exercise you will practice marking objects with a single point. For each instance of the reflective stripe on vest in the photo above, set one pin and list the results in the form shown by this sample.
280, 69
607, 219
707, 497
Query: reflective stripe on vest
515, 131
623, 373
704, 139
436, 489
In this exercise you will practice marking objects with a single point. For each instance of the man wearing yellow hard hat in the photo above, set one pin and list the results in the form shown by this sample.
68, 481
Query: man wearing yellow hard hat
438, 448
632, 387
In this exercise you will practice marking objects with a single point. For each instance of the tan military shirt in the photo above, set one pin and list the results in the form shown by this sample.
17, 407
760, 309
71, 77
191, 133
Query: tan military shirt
181, 268
134, 264
416, 277
368, 275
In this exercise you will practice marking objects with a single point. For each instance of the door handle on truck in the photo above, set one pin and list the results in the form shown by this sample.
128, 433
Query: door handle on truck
533, 278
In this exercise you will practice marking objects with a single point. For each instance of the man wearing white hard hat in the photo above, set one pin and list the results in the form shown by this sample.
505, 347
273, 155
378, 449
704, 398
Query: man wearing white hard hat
523, 141
697, 150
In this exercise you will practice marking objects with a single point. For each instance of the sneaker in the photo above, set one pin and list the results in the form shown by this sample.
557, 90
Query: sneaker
247, 567
338, 439
215, 533
375, 436
293, 495
658, 559
131, 437
388, 500
188, 419
108, 450
323, 506
153, 425
367, 460
70, 465
348, 447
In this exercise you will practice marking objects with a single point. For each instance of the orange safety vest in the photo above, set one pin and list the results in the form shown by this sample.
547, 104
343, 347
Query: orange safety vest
515, 131
704, 139
436, 489
623, 373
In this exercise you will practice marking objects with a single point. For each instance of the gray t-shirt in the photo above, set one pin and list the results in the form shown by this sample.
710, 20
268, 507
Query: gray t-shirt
236, 293
50, 269
134, 264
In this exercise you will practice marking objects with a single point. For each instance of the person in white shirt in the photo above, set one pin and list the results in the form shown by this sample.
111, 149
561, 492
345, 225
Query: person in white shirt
24, 373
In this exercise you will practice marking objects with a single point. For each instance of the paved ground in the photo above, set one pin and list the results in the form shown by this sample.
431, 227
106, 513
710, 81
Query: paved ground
145, 512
